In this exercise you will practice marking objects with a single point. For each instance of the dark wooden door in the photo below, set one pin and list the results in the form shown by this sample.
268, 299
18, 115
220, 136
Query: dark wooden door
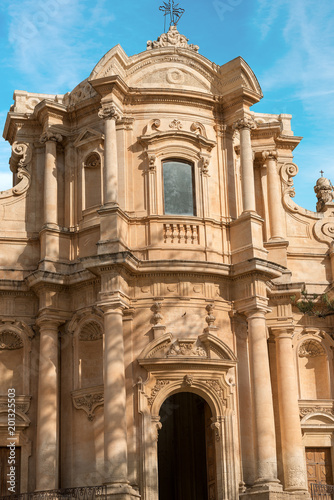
182, 449
319, 466
5, 469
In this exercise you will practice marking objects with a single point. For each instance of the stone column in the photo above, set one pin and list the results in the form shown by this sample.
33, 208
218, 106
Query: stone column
265, 440
274, 196
245, 125
50, 139
293, 451
110, 171
47, 436
115, 438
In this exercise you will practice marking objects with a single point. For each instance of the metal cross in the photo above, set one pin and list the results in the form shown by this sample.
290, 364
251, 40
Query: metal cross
173, 10
322, 173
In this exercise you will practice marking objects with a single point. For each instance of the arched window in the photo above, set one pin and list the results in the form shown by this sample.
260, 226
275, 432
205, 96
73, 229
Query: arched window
178, 183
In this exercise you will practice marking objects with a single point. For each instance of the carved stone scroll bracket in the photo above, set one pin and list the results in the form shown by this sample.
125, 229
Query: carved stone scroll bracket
19, 163
88, 400
199, 129
324, 230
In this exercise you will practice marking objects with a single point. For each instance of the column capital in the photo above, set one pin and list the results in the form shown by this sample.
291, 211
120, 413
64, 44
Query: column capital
109, 112
50, 136
259, 312
112, 307
50, 321
282, 331
246, 122
269, 155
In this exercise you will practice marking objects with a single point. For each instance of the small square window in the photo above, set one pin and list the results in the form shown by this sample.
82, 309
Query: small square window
178, 181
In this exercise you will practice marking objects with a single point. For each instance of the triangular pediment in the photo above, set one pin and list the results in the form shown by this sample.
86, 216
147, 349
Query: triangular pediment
88, 135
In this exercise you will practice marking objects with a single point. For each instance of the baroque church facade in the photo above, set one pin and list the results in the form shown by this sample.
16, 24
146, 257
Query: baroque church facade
151, 266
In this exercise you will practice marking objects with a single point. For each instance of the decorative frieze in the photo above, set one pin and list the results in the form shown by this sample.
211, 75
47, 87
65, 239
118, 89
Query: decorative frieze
303, 412
187, 348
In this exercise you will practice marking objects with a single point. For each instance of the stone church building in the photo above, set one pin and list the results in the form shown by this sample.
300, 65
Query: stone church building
153, 269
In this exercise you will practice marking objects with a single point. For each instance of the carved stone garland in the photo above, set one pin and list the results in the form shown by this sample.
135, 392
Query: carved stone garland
10, 341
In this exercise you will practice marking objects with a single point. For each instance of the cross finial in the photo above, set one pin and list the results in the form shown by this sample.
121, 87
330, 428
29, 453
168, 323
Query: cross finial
322, 173
173, 10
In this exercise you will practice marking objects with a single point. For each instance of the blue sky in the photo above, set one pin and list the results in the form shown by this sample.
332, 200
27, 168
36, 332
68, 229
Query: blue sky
49, 46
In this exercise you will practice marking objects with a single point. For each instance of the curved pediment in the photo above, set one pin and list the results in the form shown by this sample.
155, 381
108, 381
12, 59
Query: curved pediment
205, 348
178, 66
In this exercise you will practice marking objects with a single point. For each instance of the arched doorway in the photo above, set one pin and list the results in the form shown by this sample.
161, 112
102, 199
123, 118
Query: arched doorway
186, 449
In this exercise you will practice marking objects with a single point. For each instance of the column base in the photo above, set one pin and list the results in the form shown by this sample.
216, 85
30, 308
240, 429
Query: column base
121, 491
272, 491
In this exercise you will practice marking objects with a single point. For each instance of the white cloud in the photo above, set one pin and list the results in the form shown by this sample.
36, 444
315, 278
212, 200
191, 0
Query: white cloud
52, 39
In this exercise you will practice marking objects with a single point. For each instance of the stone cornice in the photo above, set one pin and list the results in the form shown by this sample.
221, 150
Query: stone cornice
198, 140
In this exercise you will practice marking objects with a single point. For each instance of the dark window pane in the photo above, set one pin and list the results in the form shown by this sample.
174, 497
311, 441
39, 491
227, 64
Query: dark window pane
178, 188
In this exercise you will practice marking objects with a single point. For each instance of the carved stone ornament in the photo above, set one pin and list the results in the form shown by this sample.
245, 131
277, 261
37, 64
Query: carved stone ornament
109, 112
88, 400
324, 191
315, 409
176, 124
50, 136
93, 160
151, 162
205, 161
246, 122
10, 341
188, 380
157, 316
81, 92
172, 39
187, 348
22, 403
311, 349
216, 427
210, 319
156, 389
